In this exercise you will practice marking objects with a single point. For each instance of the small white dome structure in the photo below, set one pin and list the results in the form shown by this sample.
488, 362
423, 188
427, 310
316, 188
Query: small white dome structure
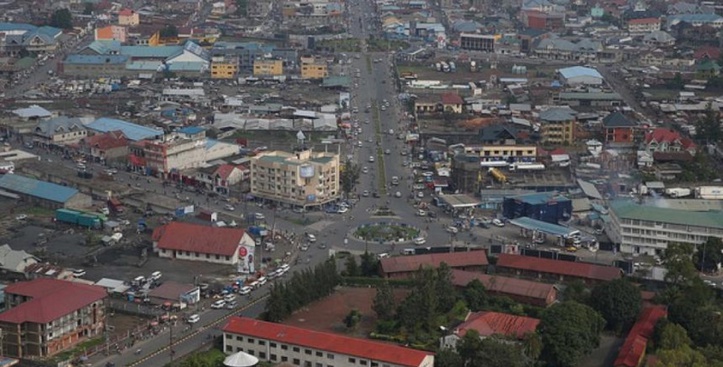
240, 359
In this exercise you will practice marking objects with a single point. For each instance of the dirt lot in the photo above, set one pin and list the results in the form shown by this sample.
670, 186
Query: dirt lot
328, 314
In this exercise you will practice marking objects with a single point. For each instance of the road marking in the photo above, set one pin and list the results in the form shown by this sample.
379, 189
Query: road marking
196, 332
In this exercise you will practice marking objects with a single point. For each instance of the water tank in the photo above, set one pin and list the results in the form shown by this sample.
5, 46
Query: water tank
306, 171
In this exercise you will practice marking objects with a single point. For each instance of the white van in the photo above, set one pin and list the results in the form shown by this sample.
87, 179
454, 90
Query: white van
156, 275
193, 319
229, 297
218, 304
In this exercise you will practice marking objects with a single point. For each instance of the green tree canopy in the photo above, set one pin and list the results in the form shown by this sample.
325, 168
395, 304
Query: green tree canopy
383, 304
448, 358
677, 259
618, 302
62, 18
349, 177
351, 268
475, 295
569, 331
683, 356
446, 293
708, 128
672, 336
576, 291
169, 31
488, 352
369, 264
709, 255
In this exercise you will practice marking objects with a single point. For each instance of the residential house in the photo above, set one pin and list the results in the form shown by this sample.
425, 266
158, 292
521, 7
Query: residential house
696, 20
652, 58
707, 53
491, 324
224, 67
558, 125
129, 17
632, 352
44, 317
659, 39
535, 19
105, 147
406, 266
555, 270
668, 140
279, 343
220, 178
59, 131
643, 25
15, 262
521, 290
194, 242
16, 37
452, 102
707, 69
619, 129
111, 33
560, 49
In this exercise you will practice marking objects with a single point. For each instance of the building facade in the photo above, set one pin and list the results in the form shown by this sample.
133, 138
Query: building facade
111, 33
313, 69
46, 316
268, 67
129, 18
303, 178
477, 42
557, 126
280, 343
224, 67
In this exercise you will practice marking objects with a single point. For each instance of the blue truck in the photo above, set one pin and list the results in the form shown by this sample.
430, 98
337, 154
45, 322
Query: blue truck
78, 218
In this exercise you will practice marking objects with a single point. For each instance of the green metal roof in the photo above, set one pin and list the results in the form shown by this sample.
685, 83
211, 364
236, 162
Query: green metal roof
321, 160
278, 159
631, 210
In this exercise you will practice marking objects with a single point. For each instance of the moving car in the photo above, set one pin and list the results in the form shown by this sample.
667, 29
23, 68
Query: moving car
310, 237
397, 194
371, 159
218, 304
365, 170
229, 207
244, 290
420, 241
193, 319
365, 193
420, 194
259, 216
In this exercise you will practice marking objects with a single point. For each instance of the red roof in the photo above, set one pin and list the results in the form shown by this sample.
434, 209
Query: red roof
644, 21
225, 170
105, 141
403, 264
558, 151
506, 285
497, 323
360, 348
50, 300
634, 347
451, 98
568, 268
125, 12
707, 52
664, 135
198, 238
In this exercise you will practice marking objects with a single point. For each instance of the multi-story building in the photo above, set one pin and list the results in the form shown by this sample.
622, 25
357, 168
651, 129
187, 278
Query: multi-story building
111, 33
557, 125
303, 178
128, 17
478, 42
224, 67
60, 131
46, 316
643, 25
619, 129
267, 67
466, 173
312, 68
648, 229
248, 52
280, 343
111, 146
668, 140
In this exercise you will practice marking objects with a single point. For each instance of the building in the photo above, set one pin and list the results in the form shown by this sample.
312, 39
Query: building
131, 131
95, 65
302, 178
558, 125
452, 102
546, 207
16, 37
534, 19
553, 48
633, 349
477, 42
15, 262
600, 100
220, 178
466, 173
194, 242
248, 52
648, 229
714, 21
643, 25
105, 147
59, 131
128, 17
491, 324
271, 68
45, 194
406, 266
580, 75
224, 67
520, 290
668, 140
280, 343
619, 130
555, 270
174, 292
111, 33
312, 68
44, 317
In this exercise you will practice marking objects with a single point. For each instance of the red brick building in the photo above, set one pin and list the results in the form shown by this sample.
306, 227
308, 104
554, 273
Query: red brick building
555, 270
520, 290
619, 129
406, 266
491, 324
633, 350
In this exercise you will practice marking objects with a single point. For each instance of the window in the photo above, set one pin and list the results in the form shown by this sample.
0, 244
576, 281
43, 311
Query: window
272, 345
329, 355
262, 355
296, 361
363, 362
319, 354
250, 340
229, 348
307, 351
229, 336
262, 342
251, 352
375, 364
296, 349
284, 347
273, 357
352, 360
239, 349
240, 338
307, 364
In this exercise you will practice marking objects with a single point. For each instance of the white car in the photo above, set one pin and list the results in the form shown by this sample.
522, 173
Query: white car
421, 213
365, 193
229, 297
218, 304
310, 237
398, 194
420, 241
259, 216
262, 280
22, 217
244, 290
498, 222
365, 170
342, 210
78, 273
229, 207
371, 159
193, 319
452, 229
420, 194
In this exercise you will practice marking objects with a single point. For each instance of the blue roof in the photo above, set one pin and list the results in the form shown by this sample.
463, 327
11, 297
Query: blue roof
575, 71
145, 66
210, 143
187, 66
161, 52
4, 27
39, 189
50, 31
95, 59
539, 198
132, 131
191, 130
549, 228
105, 46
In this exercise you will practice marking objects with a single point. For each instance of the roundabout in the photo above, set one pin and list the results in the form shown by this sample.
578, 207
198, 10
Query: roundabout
386, 232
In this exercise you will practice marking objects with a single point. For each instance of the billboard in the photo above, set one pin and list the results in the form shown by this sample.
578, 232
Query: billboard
306, 171
246, 259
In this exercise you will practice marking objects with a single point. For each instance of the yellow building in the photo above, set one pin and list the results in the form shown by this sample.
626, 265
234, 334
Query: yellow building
303, 178
268, 67
504, 152
129, 18
224, 67
557, 125
313, 68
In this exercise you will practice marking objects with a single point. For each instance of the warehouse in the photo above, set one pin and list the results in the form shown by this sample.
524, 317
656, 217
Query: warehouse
580, 75
546, 207
42, 193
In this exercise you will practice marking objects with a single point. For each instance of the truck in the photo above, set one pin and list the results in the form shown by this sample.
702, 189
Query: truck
498, 175
519, 166
678, 192
709, 192
115, 205
78, 218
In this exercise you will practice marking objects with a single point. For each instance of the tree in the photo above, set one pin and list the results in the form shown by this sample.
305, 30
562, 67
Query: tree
88, 9
569, 331
709, 255
672, 336
618, 302
444, 289
683, 356
576, 291
677, 259
352, 319
708, 129
61, 18
369, 264
488, 352
351, 268
383, 303
418, 310
677, 82
532, 346
447, 358
469, 345
349, 177
169, 31
475, 295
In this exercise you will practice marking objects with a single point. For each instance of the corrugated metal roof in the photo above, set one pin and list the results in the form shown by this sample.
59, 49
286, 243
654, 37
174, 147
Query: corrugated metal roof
132, 131
589, 189
150, 52
95, 59
577, 71
40, 189
549, 228
631, 210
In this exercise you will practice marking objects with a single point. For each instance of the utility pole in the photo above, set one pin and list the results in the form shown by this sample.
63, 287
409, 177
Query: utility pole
170, 344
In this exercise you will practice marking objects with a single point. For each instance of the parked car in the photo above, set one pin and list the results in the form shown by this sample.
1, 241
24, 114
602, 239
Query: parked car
193, 319
452, 229
498, 222
420, 241
310, 237
78, 273
229, 207
232, 305
218, 304
244, 290
259, 216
